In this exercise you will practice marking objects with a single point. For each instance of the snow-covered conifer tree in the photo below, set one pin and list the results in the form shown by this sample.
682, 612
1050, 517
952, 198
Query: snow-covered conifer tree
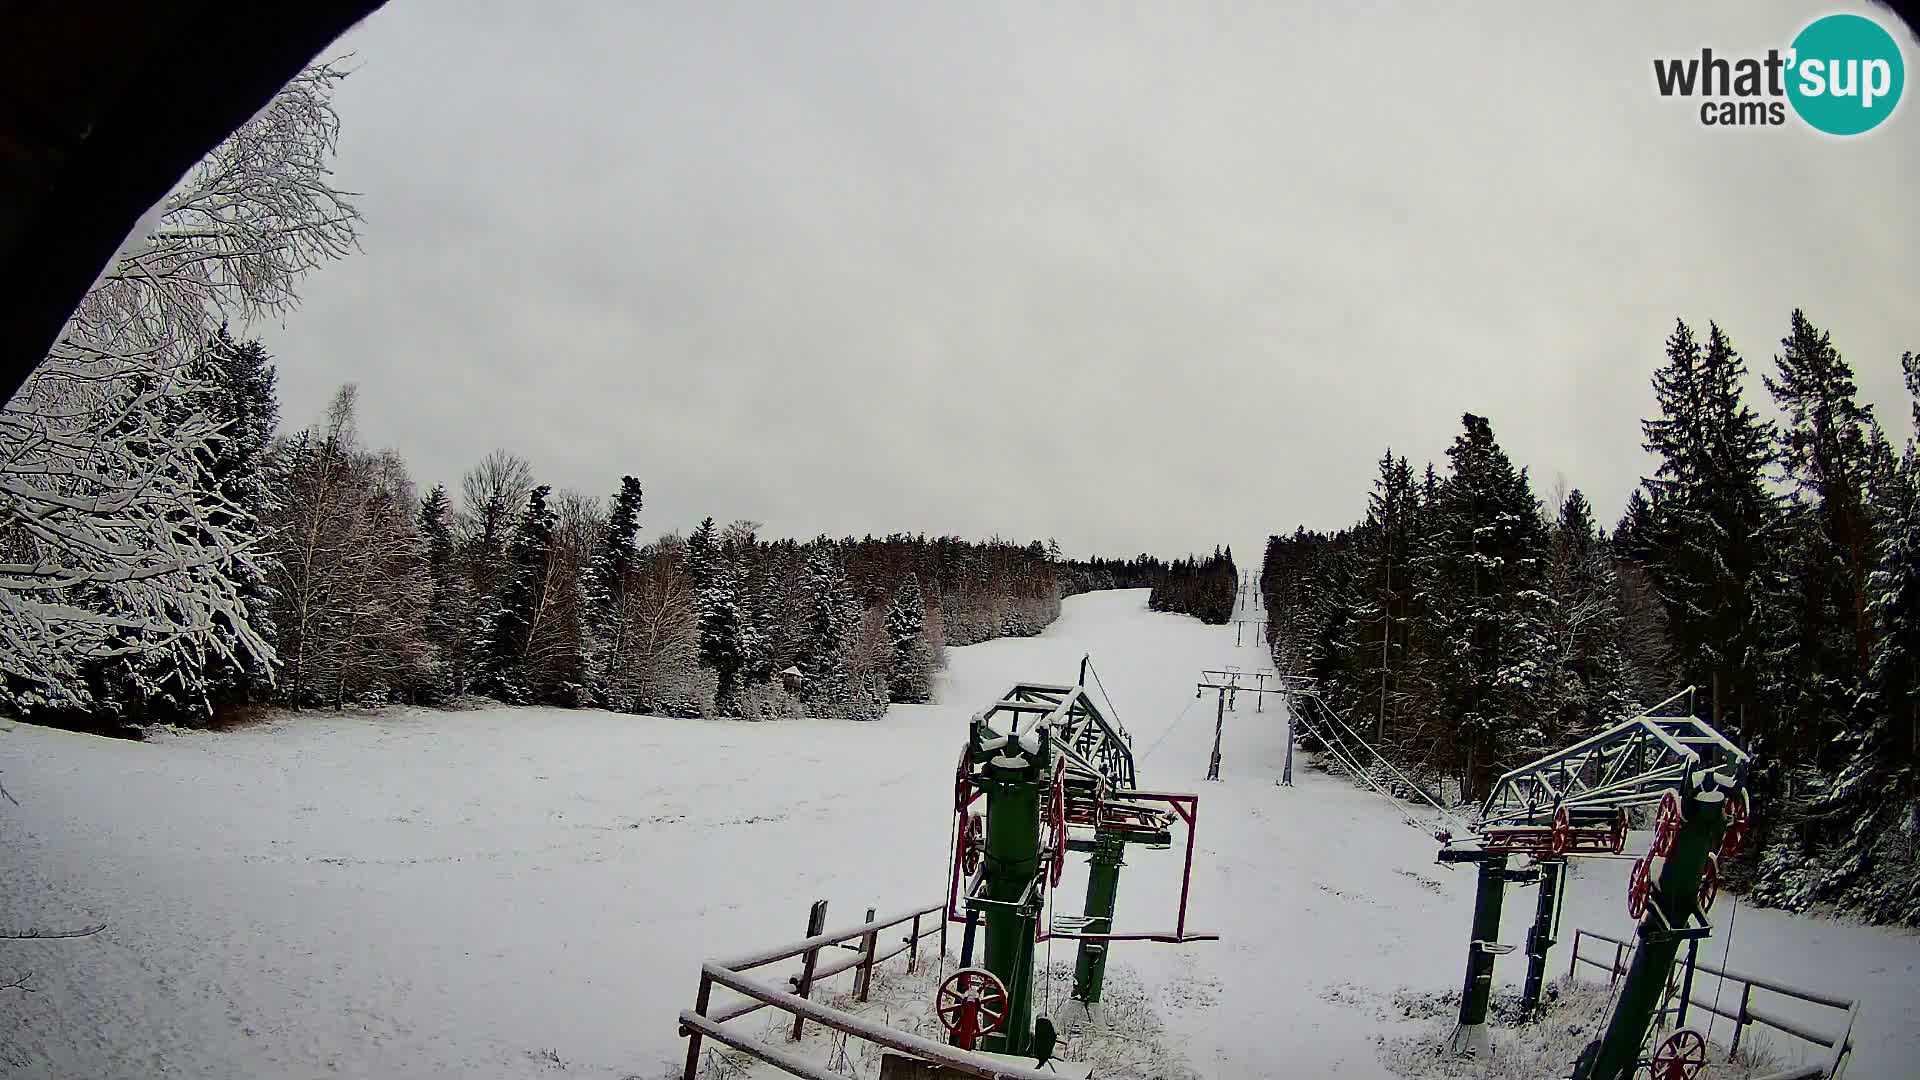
911, 658
828, 636
609, 580
717, 614
448, 602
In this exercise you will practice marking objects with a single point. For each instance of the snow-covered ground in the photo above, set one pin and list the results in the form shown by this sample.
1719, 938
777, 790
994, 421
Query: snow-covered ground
525, 892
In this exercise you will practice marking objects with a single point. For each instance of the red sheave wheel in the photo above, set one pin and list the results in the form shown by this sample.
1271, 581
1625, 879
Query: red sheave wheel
1619, 838
963, 781
1681, 1057
1666, 824
1640, 886
1736, 835
1057, 826
1560, 838
1709, 884
973, 843
971, 1002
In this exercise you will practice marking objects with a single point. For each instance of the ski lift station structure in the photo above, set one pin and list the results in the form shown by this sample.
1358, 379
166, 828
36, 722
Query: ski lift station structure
1045, 772
1575, 803
1049, 774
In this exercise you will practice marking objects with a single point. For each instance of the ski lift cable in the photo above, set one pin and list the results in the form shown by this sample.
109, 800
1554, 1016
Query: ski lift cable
953, 852
1417, 789
1170, 729
1341, 754
1111, 707
1338, 749
1351, 760
1367, 777
1345, 757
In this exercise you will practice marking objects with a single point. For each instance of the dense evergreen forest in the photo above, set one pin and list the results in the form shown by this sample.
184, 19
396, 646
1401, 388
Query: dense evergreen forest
1203, 588
1096, 574
1775, 566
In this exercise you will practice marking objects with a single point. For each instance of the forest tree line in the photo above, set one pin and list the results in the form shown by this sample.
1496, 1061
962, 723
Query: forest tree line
1203, 588
166, 554
1774, 566
361, 590
1097, 574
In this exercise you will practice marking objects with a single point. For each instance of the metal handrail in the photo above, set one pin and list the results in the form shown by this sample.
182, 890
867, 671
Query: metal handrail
703, 1021
1839, 1044
926, 1049
831, 937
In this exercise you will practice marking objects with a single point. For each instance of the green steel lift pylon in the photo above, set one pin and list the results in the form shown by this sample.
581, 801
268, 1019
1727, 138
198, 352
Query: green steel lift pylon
1470, 1036
1045, 759
1103, 888
1672, 916
1010, 902
1574, 802
1540, 936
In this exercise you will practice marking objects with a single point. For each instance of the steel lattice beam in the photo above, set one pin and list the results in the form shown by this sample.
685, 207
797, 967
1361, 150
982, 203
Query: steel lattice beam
1632, 763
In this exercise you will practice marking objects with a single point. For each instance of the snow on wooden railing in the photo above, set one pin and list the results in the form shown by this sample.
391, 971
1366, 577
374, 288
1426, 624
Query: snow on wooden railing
704, 1022
1838, 1044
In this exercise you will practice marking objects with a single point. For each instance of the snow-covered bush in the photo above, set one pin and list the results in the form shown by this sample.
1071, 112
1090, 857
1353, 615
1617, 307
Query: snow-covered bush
1573, 1014
769, 701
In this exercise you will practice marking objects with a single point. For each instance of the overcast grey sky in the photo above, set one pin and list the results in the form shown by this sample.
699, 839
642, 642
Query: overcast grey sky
1136, 276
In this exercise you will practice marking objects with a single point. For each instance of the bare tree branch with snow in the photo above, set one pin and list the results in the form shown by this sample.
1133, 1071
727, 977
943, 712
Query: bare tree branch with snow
112, 541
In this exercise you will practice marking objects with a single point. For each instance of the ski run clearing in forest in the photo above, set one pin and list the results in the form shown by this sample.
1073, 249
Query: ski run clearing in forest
529, 892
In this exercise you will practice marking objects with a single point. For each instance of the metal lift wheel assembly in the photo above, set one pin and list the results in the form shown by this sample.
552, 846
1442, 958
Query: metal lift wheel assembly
1666, 824
971, 1002
1736, 834
1640, 886
1681, 1057
1040, 763
1568, 804
1561, 839
1057, 824
973, 843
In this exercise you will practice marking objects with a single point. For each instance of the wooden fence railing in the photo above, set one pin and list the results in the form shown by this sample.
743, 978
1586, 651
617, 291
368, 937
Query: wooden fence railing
1838, 1043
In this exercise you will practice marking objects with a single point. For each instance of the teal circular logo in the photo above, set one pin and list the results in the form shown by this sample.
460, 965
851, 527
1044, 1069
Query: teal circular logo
1846, 75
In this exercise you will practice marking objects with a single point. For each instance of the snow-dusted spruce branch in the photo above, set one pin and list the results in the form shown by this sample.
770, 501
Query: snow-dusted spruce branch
114, 539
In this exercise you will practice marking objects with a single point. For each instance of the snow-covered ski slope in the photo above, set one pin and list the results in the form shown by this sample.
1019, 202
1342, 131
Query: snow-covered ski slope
526, 892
